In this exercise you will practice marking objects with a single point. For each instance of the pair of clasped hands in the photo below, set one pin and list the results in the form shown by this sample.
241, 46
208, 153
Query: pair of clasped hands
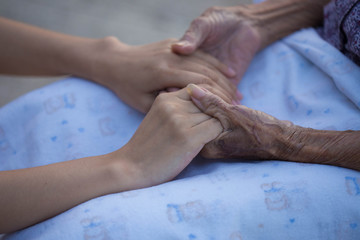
188, 88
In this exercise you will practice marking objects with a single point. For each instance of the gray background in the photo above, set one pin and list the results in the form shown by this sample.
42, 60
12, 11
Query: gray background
132, 21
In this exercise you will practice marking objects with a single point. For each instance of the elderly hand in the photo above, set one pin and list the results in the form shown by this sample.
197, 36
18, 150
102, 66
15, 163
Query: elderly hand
138, 73
247, 133
227, 33
253, 134
171, 135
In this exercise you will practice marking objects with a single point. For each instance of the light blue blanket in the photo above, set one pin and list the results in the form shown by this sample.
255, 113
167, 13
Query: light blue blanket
301, 78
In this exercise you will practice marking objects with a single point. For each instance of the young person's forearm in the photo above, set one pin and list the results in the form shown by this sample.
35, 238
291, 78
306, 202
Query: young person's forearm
338, 148
29, 50
276, 19
31, 195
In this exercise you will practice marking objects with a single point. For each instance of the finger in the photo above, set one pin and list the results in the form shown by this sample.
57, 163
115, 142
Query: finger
183, 78
198, 118
206, 131
201, 65
226, 70
172, 89
187, 102
216, 91
215, 76
184, 95
195, 35
210, 104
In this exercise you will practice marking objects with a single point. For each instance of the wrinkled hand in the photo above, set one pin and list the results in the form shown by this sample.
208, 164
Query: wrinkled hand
171, 135
227, 33
247, 133
138, 73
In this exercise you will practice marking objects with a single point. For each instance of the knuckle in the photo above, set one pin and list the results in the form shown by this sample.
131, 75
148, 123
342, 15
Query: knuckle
205, 81
211, 74
215, 102
161, 102
162, 98
168, 109
199, 21
213, 9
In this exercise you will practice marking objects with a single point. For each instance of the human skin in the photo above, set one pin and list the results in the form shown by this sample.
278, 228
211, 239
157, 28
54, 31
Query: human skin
135, 73
138, 75
178, 131
251, 134
235, 34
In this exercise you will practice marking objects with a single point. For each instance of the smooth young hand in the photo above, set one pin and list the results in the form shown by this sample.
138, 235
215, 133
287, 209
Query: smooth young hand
173, 132
170, 136
138, 73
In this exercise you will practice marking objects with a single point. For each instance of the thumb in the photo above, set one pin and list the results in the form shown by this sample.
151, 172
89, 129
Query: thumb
210, 104
193, 37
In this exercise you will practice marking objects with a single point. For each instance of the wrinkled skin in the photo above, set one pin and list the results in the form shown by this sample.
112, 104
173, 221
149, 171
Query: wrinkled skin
227, 33
252, 134
247, 133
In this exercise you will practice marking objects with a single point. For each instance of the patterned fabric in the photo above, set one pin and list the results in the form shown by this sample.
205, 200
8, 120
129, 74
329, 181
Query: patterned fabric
301, 78
342, 27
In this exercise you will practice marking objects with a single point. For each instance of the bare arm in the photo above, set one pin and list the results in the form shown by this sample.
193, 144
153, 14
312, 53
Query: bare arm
31, 195
135, 73
338, 148
235, 34
275, 19
29, 50
253, 134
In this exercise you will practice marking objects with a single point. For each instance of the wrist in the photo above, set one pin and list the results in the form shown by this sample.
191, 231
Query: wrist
288, 143
107, 55
89, 58
124, 174
275, 19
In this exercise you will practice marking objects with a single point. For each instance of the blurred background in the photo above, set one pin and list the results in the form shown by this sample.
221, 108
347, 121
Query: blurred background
132, 21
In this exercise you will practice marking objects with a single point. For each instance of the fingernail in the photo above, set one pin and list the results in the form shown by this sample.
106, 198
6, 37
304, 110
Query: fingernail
234, 102
195, 91
182, 43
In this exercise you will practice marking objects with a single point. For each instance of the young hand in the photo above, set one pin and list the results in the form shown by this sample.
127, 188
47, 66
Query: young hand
171, 135
138, 73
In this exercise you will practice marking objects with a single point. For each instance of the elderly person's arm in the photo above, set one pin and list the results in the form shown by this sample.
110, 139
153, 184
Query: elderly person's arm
251, 134
235, 34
